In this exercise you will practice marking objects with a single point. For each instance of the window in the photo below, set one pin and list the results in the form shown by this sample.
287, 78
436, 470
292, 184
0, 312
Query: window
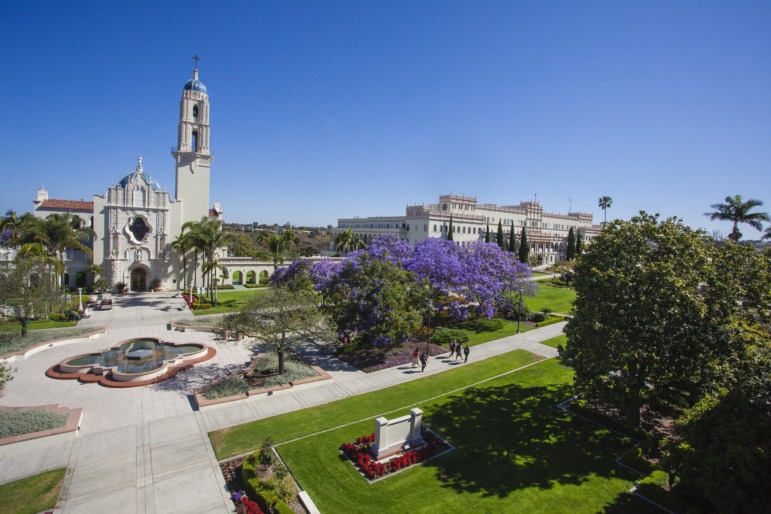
195, 141
195, 112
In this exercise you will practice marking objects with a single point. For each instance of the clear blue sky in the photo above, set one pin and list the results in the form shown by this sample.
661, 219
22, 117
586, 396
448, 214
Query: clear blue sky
323, 110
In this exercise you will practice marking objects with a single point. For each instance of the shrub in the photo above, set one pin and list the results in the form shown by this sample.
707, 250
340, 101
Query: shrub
443, 336
18, 422
226, 286
483, 325
265, 456
550, 321
155, 283
229, 386
537, 317
268, 501
120, 286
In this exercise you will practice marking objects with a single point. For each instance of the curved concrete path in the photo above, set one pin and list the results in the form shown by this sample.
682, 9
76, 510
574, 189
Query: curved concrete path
146, 449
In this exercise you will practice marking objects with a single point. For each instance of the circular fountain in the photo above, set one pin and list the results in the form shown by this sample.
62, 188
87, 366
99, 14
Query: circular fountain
133, 362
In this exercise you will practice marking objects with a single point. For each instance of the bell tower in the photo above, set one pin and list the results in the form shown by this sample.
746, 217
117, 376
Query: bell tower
192, 153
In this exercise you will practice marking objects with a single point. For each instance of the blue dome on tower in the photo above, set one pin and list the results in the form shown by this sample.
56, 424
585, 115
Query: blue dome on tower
194, 84
139, 175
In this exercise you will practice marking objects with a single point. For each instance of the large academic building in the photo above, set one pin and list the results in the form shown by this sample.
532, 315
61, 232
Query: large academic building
136, 221
547, 232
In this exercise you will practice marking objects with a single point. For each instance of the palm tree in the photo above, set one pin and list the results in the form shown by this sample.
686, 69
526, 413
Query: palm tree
56, 234
206, 236
737, 211
604, 203
347, 241
277, 249
181, 245
767, 233
94, 270
11, 223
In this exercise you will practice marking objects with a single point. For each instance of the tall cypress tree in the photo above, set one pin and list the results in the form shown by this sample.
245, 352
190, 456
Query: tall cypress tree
512, 242
449, 231
499, 236
524, 247
571, 252
487, 234
579, 243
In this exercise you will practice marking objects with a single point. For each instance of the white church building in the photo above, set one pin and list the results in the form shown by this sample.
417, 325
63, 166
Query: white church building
136, 221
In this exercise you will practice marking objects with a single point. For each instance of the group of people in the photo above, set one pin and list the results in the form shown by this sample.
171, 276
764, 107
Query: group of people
456, 349
421, 357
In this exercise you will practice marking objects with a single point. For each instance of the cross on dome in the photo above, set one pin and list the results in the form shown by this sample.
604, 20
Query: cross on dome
139, 164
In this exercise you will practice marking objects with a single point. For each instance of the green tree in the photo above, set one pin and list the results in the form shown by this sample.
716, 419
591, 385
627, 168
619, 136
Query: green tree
604, 203
450, 231
55, 234
571, 250
182, 246
524, 247
487, 234
207, 237
499, 236
281, 318
579, 242
653, 315
10, 222
737, 210
27, 288
241, 245
512, 241
347, 241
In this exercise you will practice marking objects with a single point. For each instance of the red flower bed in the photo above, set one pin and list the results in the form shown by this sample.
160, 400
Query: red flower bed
190, 299
247, 506
359, 453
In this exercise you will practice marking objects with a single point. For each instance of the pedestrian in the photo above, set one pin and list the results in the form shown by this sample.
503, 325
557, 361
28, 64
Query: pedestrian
423, 361
458, 350
452, 347
465, 353
415, 357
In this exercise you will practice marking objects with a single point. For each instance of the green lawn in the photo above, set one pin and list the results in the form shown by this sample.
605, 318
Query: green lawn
515, 452
556, 341
40, 324
558, 299
508, 328
229, 301
32, 494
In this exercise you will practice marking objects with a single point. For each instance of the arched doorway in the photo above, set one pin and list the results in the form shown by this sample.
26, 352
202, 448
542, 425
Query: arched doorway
264, 277
138, 280
251, 277
238, 277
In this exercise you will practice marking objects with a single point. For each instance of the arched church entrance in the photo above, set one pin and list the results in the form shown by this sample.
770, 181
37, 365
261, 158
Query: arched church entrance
138, 279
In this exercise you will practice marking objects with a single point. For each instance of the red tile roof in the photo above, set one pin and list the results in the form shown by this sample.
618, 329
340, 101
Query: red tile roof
213, 213
69, 205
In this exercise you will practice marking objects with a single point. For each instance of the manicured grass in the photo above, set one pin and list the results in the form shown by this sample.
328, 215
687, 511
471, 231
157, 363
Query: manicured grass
229, 301
558, 299
556, 341
509, 328
32, 494
243, 438
514, 451
39, 324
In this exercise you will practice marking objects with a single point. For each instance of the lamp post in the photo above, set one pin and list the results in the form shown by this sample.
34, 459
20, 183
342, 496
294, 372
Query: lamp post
80, 299
519, 313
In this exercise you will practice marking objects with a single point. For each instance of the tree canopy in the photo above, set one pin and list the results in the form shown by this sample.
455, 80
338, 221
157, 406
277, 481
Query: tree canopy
654, 313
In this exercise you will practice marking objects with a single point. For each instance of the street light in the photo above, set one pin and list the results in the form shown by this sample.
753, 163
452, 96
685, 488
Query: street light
519, 313
80, 299
428, 337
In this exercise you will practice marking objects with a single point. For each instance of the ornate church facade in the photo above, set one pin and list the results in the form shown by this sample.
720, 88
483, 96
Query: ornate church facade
136, 221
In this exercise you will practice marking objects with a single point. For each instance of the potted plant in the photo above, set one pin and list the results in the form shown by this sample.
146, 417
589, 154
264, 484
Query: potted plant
121, 287
155, 285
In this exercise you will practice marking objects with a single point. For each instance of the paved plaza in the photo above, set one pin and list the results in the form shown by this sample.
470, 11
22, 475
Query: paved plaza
146, 449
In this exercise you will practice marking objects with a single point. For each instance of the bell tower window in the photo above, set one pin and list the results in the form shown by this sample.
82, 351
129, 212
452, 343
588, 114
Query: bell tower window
195, 141
195, 112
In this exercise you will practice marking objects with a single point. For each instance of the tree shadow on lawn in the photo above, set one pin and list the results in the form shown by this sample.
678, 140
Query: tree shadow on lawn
512, 437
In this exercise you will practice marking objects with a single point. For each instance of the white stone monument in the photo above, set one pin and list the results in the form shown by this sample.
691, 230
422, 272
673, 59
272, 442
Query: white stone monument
397, 435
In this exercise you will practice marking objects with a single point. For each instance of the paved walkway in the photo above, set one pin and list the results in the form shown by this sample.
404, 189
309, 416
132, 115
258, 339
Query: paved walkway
146, 449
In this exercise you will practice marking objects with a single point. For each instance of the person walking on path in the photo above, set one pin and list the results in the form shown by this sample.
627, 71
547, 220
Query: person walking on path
452, 347
458, 349
423, 361
415, 358
465, 353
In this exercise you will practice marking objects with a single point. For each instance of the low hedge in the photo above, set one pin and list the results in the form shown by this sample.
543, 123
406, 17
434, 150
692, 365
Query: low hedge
225, 286
256, 490
252, 286
550, 321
